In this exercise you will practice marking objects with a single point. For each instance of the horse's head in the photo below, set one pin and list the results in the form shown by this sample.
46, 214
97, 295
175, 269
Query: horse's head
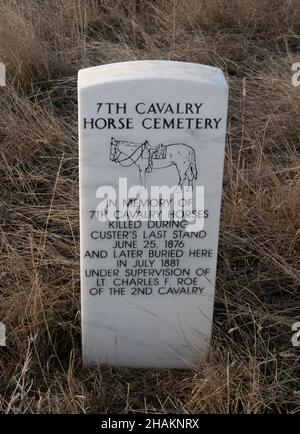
124, 152
114, 152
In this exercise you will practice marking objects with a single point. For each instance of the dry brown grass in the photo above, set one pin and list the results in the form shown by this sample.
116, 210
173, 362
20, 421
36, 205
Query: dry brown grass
252, 367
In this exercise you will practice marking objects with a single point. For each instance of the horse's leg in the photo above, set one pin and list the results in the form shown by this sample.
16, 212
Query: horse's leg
184, 179
142, 173
181, 181
185, 174
181, 176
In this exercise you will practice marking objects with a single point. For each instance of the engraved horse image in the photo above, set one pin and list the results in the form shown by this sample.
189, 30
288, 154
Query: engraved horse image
147, 158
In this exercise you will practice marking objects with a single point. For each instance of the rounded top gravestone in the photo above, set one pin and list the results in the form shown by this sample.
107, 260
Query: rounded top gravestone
151, 151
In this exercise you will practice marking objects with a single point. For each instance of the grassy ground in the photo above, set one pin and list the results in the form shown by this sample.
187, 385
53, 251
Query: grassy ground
253, 366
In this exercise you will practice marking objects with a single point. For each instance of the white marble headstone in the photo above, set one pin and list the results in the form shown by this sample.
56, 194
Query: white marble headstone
147, 288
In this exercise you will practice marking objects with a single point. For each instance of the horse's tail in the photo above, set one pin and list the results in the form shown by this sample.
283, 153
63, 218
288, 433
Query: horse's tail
193, 164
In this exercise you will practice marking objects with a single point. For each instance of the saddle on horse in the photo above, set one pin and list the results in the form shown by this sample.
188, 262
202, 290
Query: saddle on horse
158, 152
